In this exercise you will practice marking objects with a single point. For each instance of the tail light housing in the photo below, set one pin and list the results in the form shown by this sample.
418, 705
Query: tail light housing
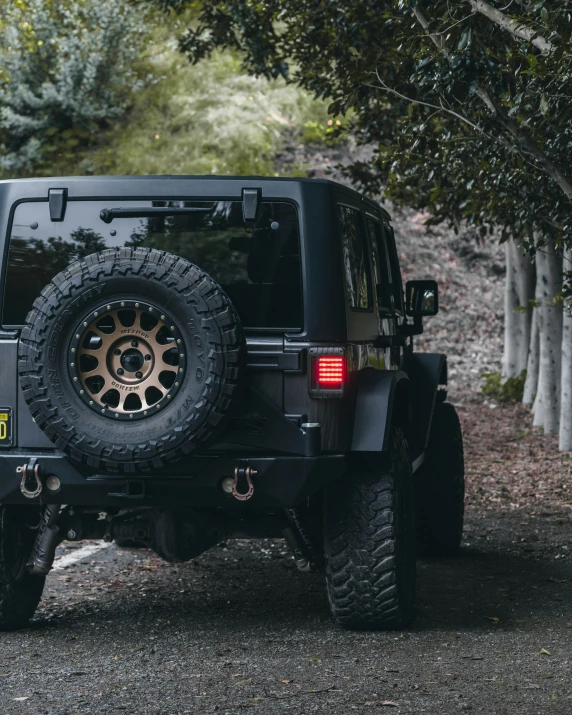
328, 372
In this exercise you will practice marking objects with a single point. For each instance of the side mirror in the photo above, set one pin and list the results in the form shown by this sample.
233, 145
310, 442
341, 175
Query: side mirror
421, 298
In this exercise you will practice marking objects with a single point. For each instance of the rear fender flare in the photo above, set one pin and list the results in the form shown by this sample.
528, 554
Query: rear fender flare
428, 372
382, 401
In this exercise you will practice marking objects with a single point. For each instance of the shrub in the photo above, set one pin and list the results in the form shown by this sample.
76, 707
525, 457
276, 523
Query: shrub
509, 390
67, 71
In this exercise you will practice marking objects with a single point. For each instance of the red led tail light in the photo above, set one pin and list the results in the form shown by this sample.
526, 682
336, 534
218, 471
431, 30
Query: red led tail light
330, 371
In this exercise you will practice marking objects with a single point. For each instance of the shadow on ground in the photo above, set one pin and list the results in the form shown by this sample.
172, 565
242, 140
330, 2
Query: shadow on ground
503, 577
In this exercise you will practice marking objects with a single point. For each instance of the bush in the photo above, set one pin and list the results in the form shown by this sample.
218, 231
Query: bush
511, 390
330, 132
67, 71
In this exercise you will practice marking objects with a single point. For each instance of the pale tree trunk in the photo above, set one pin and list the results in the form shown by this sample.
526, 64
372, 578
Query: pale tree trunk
565, 434
531, 383
519, 291
549, 284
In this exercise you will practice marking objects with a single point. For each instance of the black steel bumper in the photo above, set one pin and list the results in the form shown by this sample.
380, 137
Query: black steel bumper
279, 482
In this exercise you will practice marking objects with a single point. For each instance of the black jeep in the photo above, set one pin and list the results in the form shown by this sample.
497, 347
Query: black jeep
187, 359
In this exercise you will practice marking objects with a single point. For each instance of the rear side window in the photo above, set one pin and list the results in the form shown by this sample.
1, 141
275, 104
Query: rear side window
395, 269
257, 266
355, 258
381, 266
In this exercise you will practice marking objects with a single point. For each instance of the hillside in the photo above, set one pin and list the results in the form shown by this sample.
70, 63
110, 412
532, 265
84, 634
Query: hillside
209, 118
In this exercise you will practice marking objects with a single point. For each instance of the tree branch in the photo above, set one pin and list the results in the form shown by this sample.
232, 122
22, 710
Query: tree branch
440, 108
516, 28
524, 141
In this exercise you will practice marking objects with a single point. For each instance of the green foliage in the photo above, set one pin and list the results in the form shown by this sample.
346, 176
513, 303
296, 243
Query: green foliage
329, 132
67, 70
471, 121
509, 390
210, 118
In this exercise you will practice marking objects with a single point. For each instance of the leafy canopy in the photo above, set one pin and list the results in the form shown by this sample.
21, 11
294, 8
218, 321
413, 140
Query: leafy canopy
468, 103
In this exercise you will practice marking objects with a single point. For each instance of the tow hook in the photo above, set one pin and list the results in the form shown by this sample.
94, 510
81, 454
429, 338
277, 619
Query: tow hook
31, 485
243, 473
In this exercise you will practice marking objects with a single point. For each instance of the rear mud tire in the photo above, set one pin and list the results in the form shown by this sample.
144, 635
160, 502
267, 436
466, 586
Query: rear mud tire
369, 543
440, 487
20, 591
212, 347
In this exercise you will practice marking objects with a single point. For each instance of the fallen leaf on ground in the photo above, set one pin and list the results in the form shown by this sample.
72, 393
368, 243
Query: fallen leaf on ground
494, 619
244, 682
389, 704
21, 700
286, 681
544, 651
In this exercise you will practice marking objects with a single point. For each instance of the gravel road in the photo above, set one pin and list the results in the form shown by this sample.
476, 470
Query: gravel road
120, 631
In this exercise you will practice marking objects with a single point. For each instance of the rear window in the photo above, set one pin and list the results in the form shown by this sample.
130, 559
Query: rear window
257, 266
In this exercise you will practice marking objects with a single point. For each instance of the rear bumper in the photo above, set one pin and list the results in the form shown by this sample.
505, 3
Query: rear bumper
279, 482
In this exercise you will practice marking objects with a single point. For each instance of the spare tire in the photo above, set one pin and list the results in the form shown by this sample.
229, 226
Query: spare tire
131, 359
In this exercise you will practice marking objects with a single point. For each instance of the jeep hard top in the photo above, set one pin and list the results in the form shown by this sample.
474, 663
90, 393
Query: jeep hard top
184, 359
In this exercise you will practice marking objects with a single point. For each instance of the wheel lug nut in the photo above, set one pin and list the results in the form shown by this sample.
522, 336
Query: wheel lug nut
120, 371
147, 357
138, 375
134, 343
117, 352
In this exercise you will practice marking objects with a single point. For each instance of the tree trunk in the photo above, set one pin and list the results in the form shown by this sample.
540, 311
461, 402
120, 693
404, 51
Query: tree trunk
549, 284
531, 384
565, 433
519, 291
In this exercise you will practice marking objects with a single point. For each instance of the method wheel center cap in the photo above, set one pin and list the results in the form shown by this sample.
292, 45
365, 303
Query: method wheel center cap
132, 360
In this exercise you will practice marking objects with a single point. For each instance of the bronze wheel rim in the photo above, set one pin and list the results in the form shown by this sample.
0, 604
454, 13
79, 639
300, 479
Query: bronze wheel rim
127, 360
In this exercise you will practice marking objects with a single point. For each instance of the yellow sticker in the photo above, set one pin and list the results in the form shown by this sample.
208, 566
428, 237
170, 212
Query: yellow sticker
3, 417
3, 431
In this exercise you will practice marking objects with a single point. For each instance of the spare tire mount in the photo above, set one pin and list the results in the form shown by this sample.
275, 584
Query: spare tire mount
102, 344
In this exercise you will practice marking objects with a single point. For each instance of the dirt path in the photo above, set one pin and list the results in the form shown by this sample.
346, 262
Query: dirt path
240, 629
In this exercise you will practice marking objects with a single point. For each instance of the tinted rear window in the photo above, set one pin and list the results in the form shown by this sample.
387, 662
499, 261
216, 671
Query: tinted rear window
258, 266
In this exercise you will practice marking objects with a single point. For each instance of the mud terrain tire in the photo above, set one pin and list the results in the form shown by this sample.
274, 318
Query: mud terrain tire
370, 544
440, 487
205, 336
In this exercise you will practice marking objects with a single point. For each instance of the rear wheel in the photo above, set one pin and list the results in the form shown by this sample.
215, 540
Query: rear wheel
440, 487
370, 544
20, 591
